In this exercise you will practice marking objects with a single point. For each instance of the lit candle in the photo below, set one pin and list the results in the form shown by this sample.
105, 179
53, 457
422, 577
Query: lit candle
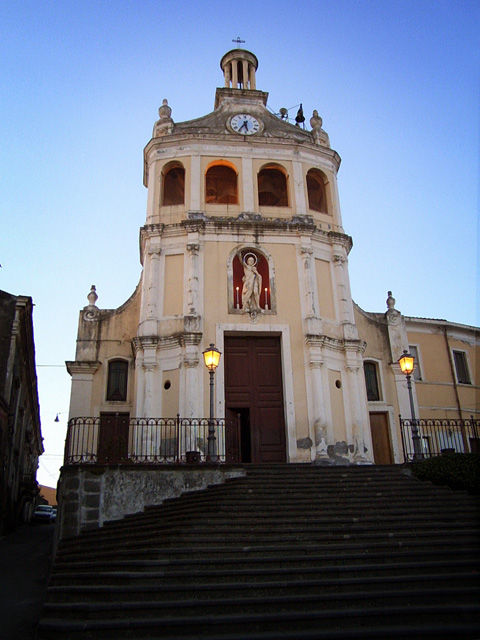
266, 299
238, 303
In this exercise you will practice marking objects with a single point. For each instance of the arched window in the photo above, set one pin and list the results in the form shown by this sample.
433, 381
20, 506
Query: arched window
371, 381
272, 187
117, 380
316, 191
173, 185
221, 185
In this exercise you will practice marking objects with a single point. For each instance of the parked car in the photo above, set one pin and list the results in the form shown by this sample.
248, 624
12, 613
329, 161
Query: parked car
43, 513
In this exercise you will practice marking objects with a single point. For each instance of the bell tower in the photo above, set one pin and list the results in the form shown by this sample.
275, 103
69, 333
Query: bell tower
243, 246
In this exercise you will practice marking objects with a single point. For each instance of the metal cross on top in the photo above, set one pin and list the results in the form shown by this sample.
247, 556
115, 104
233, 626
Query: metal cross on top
238, 41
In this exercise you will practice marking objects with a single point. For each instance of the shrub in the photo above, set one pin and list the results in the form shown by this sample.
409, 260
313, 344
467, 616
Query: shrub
455, 470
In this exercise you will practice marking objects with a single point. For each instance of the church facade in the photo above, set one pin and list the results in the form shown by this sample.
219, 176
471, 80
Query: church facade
244, 247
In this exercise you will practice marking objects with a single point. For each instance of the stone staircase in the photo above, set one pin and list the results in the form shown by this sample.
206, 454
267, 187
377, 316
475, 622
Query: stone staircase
289, 551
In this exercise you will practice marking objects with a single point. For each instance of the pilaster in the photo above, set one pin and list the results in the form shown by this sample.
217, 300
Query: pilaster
82, 373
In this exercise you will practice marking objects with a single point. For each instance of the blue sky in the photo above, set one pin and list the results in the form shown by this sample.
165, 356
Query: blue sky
395, 81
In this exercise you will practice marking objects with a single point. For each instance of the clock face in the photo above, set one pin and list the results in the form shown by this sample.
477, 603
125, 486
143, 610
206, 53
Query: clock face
245, 124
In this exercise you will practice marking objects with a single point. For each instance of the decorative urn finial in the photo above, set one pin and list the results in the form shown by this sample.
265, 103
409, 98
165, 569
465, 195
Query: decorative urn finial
164, 126
390, 301
91, 311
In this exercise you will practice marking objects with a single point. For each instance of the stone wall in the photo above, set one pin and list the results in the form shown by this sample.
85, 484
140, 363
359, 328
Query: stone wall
88, 495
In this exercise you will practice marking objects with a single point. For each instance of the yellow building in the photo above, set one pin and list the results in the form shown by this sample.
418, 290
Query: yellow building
445, 389
244, 247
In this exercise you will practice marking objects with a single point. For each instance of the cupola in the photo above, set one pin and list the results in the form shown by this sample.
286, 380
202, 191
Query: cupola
239, 67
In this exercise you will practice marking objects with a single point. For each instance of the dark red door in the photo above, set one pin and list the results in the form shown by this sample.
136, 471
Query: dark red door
113, 438
254, 393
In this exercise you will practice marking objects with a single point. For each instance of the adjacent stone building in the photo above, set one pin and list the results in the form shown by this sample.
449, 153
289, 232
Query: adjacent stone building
20, 434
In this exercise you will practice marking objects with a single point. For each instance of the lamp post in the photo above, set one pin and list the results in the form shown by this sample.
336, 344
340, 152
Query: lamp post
211, 357
407, 365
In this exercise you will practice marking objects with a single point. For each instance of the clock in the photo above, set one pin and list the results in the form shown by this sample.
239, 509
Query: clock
245, 124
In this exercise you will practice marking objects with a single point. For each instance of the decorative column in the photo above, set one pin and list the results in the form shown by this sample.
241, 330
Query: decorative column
149, 403
150, 311
195, 183
322, 427
307, 253
298, 182
245, 73
234, 75
339, 262
192, 293
140, 378
312, 322
247, 181
359, 417
228, 74
253, 84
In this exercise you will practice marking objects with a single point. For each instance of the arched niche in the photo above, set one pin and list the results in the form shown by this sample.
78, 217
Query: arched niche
317, 190
173, 184
221, 183
236, 271
272, 184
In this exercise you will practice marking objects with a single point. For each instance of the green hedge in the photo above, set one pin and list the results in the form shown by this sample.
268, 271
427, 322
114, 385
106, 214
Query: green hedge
455, 470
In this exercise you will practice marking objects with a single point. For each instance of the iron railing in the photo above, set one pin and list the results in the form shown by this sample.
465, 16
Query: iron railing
107, 440
429, 437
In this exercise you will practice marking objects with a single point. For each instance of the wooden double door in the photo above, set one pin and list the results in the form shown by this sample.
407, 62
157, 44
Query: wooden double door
255, 422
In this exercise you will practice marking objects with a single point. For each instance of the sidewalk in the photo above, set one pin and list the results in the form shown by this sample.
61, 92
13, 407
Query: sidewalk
24, 566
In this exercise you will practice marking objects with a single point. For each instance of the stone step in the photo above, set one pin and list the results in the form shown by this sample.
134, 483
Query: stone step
100, 562
257, 525
205, 552
288, 551
228, 574
290, 510
247, 605
291, 621
244, 539
210, 590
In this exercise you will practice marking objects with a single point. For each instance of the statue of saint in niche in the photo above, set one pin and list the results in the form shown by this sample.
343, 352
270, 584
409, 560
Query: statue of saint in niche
252, 284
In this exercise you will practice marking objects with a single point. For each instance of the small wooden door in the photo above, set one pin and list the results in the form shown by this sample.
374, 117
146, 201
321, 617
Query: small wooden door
382, 449
254, 399
113, 437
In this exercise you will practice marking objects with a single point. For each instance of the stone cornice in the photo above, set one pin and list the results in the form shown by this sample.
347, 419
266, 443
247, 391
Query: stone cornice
244, 223
335, 344
342, 239
82, 367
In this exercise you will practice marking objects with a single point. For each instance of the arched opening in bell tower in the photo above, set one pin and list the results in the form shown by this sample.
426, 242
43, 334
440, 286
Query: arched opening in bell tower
272, 186
316, 189
221, 184
173, 184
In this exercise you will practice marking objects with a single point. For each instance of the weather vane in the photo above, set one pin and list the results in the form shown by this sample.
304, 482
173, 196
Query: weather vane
238, 41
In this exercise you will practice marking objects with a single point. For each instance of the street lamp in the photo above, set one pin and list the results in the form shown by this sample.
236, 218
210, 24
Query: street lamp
407, 365
212, 358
